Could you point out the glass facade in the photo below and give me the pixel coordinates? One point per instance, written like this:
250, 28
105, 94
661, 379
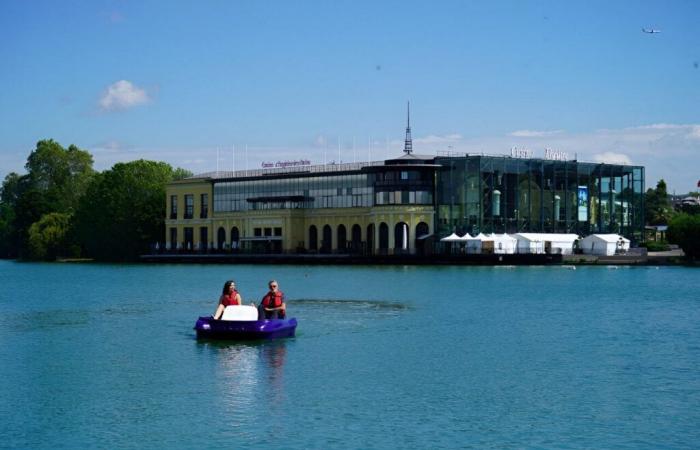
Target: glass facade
396, 185
465, 194
509, 195
327, 191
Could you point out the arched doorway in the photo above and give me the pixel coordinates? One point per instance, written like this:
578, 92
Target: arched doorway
313, 238
342, 238
401, 238
327, 240
423, 242
370, 239
383, 238
235, 238
356, 239
220, 238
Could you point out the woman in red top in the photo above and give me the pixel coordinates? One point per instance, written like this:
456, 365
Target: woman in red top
229, 296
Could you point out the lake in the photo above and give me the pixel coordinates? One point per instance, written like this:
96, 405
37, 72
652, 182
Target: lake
99, 355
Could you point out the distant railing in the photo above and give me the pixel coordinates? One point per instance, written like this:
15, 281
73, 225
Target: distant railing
320, 168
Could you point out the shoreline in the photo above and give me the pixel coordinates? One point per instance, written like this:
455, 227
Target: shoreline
416, 260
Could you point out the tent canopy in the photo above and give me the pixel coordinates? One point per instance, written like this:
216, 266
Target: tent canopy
451, 238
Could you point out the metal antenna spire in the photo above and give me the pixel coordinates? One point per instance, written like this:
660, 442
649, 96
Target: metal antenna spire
408, 143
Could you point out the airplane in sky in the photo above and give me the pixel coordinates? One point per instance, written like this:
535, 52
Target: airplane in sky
650, 30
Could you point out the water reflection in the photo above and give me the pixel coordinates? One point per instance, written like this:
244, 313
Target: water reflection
274, 354
247, 372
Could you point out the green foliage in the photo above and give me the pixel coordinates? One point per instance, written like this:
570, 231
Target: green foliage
684, 230
7, 231
47, 238
658, 209
11, 189
61, 175
122, 211
56, 179
655, 246
180, 173
690, 209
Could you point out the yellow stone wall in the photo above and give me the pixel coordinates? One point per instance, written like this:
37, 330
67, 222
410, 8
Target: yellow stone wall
194, 187
295, 223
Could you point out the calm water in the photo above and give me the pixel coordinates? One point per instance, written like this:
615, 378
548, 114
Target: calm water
385, 357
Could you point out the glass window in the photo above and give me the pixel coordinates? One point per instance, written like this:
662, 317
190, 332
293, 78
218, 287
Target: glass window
205, 206
173, 206
189, 206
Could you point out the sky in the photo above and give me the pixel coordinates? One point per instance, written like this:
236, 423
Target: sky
233, 84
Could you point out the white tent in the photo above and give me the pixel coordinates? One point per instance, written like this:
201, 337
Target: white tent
504, 244
546, 243
451, 238
475, 243
604, 244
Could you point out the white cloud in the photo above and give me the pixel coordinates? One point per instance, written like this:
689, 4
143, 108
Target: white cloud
110, 146
122, 95
534, 134
320, 141
612, 158
695, 132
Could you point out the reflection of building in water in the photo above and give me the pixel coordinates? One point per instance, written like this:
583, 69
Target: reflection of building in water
247, 370
238, 376
274, 354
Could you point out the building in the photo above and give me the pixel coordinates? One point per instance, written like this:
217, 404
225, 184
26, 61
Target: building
402, 205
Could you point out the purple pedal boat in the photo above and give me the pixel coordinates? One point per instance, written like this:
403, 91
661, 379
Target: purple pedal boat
241, 323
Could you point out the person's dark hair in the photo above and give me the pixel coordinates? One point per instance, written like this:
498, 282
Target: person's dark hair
226, 286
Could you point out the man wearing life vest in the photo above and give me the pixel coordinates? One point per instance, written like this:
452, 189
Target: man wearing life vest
272, 305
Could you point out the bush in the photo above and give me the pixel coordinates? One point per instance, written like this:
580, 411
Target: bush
684, 230
655, 246
48, 236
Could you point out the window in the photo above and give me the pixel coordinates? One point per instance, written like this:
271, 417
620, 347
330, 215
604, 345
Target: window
257, 232
173, 238
189, 206
404, 175
204, 198
268, 231
173, 206
278, 231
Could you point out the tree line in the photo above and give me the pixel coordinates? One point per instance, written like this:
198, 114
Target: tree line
62, 207
683, 224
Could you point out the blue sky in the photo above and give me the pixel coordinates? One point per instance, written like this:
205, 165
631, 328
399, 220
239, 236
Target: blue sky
177, 81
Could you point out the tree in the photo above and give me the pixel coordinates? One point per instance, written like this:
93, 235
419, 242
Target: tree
61, 175
658, 209
180, 173
48, 236
9, 193
7, 231
122, 211
684, 230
